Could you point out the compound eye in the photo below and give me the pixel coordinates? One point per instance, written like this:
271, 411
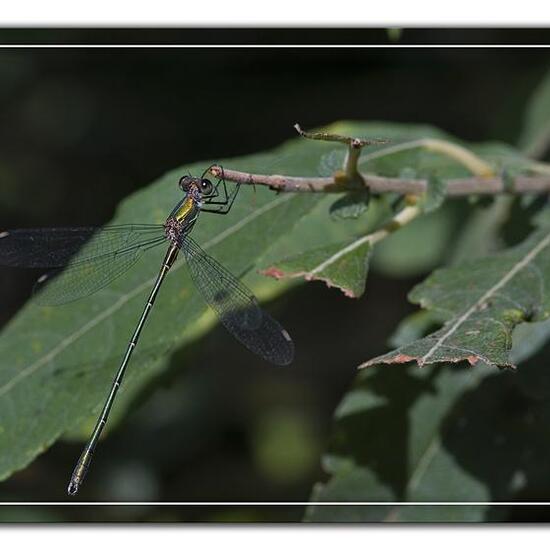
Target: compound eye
206, 186
184, 183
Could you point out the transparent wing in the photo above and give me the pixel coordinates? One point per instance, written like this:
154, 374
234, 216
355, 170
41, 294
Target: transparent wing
102, 255
55, 247
237, 307
85, 277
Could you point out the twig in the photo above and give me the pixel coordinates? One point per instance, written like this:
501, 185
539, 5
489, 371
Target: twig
476, 185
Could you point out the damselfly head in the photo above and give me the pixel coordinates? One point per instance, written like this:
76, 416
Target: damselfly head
186, 182
202, 185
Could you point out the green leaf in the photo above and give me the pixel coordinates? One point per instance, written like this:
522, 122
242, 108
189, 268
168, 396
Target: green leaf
448, 434
480, 234
412, 327
410, 158
320, 248
435, 194
343, 265
535, 135
419, 246
387, 446
528, 339
351, 205
480, 303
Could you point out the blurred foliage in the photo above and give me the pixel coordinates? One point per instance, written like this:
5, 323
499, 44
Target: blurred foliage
535, 136
83, 130
454, 433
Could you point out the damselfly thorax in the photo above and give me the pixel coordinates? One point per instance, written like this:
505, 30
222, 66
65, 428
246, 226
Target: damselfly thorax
185, 214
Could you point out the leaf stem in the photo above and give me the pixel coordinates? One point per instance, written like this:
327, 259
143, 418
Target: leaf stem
403, 217
469, 160
540, 168
356, 143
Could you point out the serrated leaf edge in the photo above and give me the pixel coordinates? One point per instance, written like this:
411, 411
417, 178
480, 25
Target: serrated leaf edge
453, 327
313, 274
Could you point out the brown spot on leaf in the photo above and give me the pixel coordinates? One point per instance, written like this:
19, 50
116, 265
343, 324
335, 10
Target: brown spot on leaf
402, 358
274, 272
399, 358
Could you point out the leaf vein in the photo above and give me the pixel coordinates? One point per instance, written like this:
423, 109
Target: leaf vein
518, 266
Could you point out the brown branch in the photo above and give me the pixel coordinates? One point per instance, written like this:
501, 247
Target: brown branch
455, 187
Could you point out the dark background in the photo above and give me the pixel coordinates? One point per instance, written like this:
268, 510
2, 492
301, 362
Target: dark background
82, 128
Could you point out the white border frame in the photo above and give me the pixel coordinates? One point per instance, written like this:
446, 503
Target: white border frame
272, 46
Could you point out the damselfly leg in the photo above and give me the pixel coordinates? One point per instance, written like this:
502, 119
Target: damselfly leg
222, 206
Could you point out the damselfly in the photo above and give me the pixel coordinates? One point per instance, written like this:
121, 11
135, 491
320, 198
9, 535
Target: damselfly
106, 253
